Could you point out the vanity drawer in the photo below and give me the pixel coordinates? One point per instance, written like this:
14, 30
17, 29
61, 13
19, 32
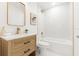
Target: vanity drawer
24, 42
23, 51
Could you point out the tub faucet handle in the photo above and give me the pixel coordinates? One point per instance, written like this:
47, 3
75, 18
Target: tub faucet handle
77, 36
41, 33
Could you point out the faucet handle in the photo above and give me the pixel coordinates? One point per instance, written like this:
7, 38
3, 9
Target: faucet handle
41, 33
77, 36
18, 30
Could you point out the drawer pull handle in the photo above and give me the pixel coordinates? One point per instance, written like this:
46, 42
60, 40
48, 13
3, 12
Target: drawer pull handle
27, 42
26, 51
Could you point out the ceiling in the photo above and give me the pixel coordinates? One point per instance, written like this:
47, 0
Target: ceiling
44, 5
47, 5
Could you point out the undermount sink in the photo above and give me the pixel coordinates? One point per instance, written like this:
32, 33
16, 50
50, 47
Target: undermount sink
10, 36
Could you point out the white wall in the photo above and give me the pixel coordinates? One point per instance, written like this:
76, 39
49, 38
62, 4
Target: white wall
3, 15
30, 7
39, 27
58, 21
76, 28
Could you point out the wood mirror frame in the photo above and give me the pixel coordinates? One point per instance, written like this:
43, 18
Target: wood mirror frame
8, 17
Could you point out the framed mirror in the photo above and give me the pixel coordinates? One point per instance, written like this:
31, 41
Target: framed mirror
16, 13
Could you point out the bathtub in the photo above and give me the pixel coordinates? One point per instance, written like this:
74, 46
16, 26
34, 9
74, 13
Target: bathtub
56, 47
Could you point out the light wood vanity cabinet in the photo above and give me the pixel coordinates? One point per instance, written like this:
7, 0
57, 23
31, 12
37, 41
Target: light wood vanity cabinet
19, 47
0, 47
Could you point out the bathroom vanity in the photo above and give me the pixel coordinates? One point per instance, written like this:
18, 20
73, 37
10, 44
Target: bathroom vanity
18, 45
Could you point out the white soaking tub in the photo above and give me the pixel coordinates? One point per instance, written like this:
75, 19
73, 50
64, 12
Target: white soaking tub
55, 47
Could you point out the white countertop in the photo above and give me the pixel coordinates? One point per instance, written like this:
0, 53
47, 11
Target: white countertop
12, 37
